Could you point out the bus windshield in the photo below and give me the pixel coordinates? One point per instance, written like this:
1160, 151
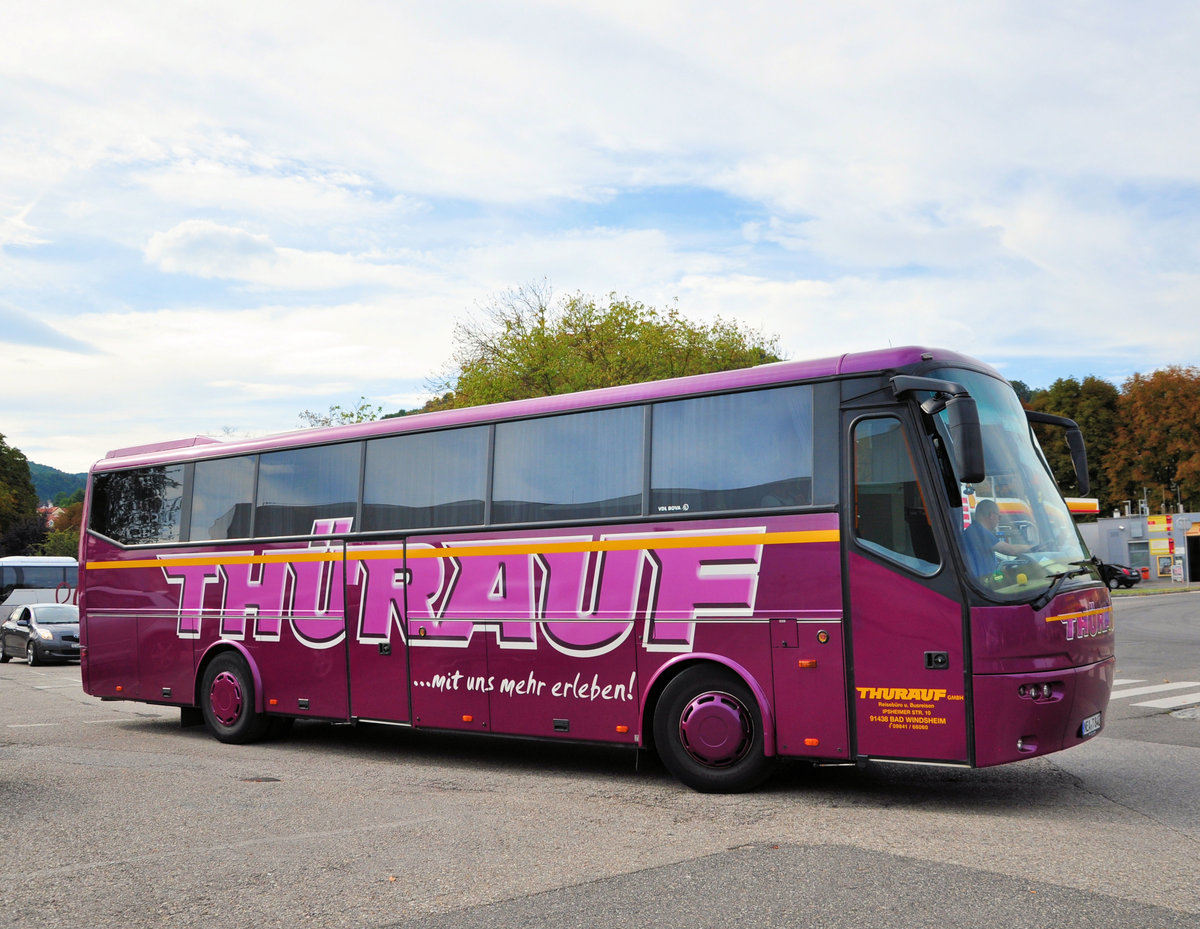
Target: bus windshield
1017, 535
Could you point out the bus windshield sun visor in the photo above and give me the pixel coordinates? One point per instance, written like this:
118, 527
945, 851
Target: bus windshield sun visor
963, 417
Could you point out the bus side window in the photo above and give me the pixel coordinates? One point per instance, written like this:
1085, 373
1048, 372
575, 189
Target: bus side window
140, 506
890, 516
743, 451
298, 486
222, 498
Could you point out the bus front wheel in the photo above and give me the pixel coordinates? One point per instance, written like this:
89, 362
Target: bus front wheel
227, 701
708, 731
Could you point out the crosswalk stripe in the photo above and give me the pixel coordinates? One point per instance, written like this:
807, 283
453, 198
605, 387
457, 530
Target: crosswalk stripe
1153, 689
1121, 682
1171, 703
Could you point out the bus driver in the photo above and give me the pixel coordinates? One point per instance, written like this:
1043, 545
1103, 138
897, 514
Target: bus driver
981, 540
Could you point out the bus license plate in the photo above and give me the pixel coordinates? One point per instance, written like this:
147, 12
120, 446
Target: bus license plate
1091, 725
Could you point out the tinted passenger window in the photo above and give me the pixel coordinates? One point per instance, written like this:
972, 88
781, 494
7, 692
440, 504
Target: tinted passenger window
425, 480
139, 507
578, 466
301, 485
222, 499
889, 512
743, 451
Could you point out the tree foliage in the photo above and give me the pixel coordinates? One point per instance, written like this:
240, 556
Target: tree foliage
528, 345
1092, 403
1156, 443
64, 499
50, 482
61, 542
1144, 437
63, 539
18, 502
338, 415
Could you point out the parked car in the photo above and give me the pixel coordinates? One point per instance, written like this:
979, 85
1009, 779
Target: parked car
1117, 575
41, 632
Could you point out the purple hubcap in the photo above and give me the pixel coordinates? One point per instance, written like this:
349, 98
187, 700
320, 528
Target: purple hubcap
225, 698
716, 729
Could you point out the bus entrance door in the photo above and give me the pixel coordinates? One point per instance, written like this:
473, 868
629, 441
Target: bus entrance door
378, 661
908, 685
907, 631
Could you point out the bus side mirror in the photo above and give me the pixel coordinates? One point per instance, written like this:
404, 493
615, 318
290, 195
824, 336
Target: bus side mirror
1075, 444
1079, 459
963, 416
967, 439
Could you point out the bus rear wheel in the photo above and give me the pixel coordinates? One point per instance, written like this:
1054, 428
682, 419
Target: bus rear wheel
227, 701
708, 731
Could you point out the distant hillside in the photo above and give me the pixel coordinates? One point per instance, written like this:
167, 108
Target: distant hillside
49, 482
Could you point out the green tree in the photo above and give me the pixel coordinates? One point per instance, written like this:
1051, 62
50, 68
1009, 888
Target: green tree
360, 412
1093, 404
18, 501
61, 542
527, 345
1156, 445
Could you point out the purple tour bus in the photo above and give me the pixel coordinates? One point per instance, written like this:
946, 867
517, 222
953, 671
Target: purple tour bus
853, 559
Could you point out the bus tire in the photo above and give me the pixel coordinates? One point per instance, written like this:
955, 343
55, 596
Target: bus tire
709, 733
227, 701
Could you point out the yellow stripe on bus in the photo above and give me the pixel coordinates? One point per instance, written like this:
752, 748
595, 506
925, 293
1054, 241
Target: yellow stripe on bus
634, 543
1063, 617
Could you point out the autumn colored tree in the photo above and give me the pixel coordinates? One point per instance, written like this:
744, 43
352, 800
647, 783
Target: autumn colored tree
1093, 404
528, 345
1156, 445
63, 539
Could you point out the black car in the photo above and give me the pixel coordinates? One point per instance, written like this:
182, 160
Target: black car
41, 632
1117, 575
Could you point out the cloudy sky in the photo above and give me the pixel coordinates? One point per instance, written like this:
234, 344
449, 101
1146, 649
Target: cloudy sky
216, 215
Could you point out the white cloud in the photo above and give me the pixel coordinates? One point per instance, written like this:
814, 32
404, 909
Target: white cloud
207, 249
248, 212
210, 250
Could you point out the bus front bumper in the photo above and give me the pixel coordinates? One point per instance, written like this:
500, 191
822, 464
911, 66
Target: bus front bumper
1025, 715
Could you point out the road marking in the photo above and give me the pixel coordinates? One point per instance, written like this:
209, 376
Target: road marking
31, 725
1121, 682
1171, 703
1153, 689
1162, 703
118, 719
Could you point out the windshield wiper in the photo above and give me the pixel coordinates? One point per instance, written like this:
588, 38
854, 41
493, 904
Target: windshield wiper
1048, 594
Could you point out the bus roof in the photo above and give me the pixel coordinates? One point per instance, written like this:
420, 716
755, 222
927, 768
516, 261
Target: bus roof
37, 561
781, 372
